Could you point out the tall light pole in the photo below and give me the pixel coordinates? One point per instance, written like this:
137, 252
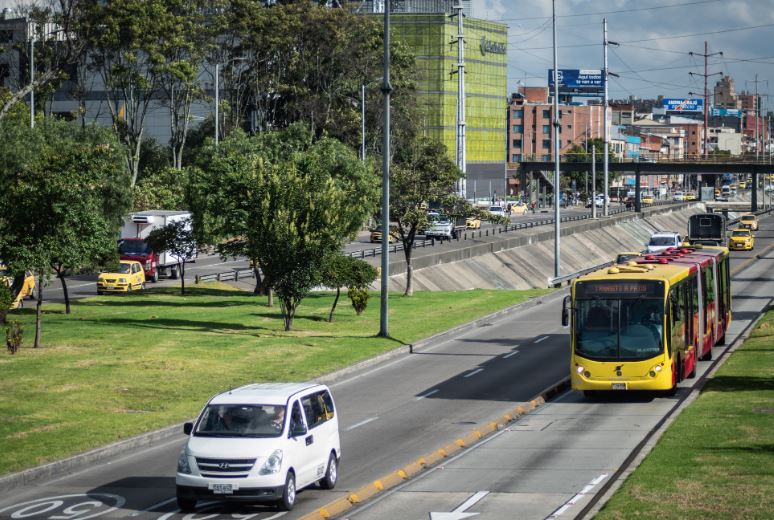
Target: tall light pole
706, 92
557, 230
32, 75
384, 330
461, 135
362, 122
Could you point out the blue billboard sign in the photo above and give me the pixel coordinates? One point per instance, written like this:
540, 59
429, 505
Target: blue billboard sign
683, 105
578, 80
724, 112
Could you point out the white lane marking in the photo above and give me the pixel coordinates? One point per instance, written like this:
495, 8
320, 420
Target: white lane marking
361, 423
154, 506
575, 499
278, 515
476, 371
511, 354
470, 502
541, 339
428, 394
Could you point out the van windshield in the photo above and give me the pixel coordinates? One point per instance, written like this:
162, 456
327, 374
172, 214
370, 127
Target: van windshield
240, 420
133, 247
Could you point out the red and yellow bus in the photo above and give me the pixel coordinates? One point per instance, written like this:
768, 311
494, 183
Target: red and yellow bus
645, 324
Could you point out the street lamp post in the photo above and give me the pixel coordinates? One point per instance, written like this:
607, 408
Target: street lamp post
384, 330
557, 231
32, 78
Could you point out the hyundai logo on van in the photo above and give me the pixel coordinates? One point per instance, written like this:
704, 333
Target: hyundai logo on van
223, 465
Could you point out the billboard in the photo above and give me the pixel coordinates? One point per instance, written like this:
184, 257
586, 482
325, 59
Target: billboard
578, 81
723, 112
683, 105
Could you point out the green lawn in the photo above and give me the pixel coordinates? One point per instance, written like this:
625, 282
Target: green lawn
121, 365
717, 459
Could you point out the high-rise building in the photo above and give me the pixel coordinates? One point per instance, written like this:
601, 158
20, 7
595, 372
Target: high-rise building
725, 93
431, 34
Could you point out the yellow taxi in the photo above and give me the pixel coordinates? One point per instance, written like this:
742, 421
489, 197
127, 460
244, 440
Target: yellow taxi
689, 195
127, 278
717, 191
742, 185
376, 236
750, 221
27, 289
473, 223
647, 199
741, 240
518, 209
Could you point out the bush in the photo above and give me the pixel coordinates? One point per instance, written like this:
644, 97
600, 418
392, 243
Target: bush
359, 297
6, 300
13, 337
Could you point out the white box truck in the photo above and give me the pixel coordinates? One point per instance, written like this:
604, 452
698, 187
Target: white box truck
133, 244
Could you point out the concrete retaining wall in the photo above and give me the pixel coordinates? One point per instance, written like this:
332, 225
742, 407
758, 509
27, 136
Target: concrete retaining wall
527, 260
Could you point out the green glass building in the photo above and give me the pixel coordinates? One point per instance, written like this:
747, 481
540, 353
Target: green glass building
428, 30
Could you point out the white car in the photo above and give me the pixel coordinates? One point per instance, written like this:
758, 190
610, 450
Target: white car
678, 196
261, 443
663, 240
497, 211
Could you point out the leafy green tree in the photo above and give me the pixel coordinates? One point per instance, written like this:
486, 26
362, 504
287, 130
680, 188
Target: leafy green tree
63, 194
164, 189
6, 300
178, 239
126, 43
422, 174
580, 153
344, 271
289, 200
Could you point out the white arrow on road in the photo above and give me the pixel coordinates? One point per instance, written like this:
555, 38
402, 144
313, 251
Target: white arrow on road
459, 512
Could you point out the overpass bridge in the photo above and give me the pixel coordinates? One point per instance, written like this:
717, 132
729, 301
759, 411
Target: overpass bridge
638, 169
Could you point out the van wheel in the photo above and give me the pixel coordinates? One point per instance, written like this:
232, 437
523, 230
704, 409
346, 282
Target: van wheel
155, 277
288, 499
331, 474
186, 501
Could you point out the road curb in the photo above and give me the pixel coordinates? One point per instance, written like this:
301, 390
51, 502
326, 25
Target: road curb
124, 447
434, 458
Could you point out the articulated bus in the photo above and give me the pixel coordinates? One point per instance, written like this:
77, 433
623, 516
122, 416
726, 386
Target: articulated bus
645, 324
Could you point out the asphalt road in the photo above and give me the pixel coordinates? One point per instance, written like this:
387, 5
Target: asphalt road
394, 412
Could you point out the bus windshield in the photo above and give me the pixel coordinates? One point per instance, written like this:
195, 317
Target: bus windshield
625, 329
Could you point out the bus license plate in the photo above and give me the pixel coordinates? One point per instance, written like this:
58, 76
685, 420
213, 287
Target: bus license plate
222, 489
619, 386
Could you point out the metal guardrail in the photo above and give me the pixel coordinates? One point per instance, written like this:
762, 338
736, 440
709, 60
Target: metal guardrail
226, 276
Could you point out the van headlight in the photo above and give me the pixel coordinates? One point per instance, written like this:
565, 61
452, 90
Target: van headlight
272, 464
182, 463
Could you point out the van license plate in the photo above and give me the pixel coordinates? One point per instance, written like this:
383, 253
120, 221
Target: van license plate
222, 489
619, 386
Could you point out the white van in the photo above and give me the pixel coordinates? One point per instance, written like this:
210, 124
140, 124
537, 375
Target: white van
260, 443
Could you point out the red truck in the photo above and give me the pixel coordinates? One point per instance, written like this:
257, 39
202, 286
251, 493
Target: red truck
133, 244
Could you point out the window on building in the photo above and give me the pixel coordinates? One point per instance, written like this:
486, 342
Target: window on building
546, 129
516, 143
518, 129
547, 157
546, 114
546, 143
569, 126
516, 157
518, 114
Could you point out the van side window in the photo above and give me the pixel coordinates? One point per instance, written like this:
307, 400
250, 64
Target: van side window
295, 416
318, 408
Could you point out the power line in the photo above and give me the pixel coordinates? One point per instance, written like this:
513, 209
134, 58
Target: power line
617, 11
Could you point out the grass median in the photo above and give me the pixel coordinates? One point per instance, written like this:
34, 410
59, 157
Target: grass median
122, 365
717, 459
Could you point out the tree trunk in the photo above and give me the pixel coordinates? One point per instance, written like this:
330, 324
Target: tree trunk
270, 303
288, 312
60, 275
38, 312
335, 301
409, 268
181, 268
258, 290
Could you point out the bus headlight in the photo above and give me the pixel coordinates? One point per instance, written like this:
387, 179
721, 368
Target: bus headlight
655, 370
579, 369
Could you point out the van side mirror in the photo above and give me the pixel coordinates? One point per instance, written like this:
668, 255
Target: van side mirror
565, 312
188, 428
297, 429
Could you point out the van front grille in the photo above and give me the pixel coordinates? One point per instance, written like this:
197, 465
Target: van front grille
225, 468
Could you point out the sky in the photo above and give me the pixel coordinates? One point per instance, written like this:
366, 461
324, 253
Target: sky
655, 37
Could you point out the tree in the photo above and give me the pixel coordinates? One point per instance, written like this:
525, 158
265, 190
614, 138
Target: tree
422, 173
583, 153
126, 41
289, 200
178, 239
63, 194
55, 26
344, 271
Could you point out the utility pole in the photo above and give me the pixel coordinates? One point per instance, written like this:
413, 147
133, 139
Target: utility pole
461, 138
593, 181
32, 75
557, 232
605, 124
706, 92
384, 330
362, 122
